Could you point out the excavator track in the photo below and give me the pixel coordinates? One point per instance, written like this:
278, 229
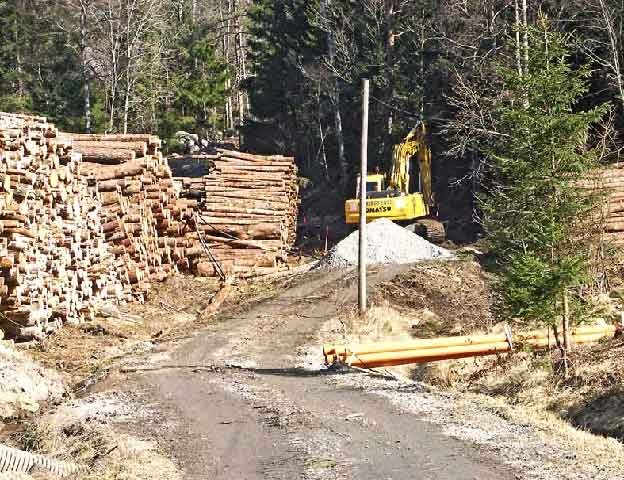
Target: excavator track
430, 229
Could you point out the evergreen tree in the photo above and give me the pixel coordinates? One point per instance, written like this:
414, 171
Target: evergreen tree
536, 214
285, 55
201, 86
16, 27
283, 43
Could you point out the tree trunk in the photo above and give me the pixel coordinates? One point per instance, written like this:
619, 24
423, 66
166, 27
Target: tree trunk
323, 153
114, 76
225, 42
525, 38
113, 37
518, 47
85, 68
129, 65
126, 105
342, 161
566, 332
390, 89
615, 52
335, 99
18, 58
240, 55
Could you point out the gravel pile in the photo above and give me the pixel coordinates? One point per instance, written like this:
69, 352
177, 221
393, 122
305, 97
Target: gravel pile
388, 243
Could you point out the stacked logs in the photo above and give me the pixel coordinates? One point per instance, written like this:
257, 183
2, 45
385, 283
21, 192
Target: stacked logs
90, 218
610, 182
54, 262
135, 187
244, 214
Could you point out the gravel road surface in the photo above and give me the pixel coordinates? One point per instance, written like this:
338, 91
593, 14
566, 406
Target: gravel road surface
246, 398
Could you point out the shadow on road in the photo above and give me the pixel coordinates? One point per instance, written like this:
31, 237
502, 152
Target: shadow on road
283, 372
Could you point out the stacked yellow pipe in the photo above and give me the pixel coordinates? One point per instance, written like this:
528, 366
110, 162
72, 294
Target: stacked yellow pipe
387, 354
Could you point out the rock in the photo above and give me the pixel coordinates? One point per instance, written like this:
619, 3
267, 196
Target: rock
187, 137
25, 384
14, 405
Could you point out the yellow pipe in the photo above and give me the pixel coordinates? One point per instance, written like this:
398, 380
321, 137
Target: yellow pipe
390, 359
429, 354
412, 344
380, 347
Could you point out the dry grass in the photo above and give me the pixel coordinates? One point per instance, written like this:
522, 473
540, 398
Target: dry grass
584, 447
590, 398
134, 459
382, 322
78, 433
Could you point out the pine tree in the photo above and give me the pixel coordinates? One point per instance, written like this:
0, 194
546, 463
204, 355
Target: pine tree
286, 50
536, 214
202, 85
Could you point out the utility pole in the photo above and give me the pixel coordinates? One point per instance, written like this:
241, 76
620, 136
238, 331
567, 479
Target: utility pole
363, 173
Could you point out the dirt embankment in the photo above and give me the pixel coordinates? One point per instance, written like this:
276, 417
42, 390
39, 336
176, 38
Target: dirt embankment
444, 298
24, 384
591, 397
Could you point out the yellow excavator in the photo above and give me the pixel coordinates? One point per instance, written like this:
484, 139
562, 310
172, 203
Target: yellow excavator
405, 196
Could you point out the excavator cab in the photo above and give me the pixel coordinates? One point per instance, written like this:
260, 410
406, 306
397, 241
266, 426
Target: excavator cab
375, 187
374, 184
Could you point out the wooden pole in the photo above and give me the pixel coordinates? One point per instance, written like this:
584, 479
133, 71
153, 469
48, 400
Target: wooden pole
363, 173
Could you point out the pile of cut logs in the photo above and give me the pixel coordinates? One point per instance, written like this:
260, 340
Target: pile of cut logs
244, 214
92, 218
134, 183
54, 262
610, 181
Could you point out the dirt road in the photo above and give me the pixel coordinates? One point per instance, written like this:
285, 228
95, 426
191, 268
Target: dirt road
238, 403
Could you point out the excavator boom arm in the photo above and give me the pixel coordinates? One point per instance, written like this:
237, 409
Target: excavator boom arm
414, 145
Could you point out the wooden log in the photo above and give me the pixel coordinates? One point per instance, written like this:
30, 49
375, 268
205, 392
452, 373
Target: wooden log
107, 156
266, 245
264, 231
249, 156
208, 269
103, 173
139, 148
115, 137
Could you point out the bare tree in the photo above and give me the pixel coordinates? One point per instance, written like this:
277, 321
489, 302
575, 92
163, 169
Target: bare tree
335, 92
604, 44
